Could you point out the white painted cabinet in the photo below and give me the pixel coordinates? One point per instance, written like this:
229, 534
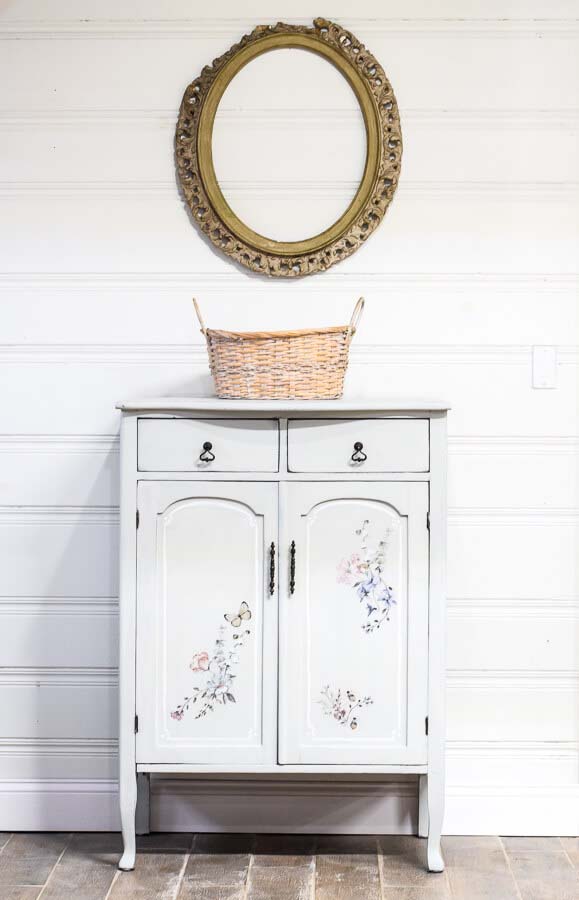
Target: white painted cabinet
280, 618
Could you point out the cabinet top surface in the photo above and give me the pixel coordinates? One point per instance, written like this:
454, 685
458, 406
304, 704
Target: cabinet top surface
353, 404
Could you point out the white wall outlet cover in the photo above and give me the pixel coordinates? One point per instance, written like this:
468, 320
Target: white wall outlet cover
544, 367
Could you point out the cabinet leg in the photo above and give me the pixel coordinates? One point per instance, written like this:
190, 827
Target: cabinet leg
422, 806
143, 803
435, 799
128, 803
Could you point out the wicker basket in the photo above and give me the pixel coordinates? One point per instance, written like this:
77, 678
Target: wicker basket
283, 365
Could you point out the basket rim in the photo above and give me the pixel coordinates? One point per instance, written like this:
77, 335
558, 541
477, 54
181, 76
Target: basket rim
268, 335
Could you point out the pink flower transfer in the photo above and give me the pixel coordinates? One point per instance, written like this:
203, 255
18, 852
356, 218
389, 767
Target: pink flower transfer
200, 662
215, 673
351, 570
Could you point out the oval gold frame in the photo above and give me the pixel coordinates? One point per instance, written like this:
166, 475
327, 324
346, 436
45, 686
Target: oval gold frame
193, 147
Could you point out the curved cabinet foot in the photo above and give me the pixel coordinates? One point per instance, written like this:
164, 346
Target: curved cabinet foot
431, 811
128, 802
434, 856
127, 861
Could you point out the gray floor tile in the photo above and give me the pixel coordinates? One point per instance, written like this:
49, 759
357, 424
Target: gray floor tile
211, 892
438, 891
274, 860
468, 885
4, 838
544, 875
531, 844
404, 861
29, 870
20, 893
156, 875
456, 849
283, 882
28, 859
347, 877
217, 869
477, 869
570, 846
78, 876
36, 844
99, 847
481, 854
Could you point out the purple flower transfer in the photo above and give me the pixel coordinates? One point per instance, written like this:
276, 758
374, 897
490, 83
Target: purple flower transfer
365, 572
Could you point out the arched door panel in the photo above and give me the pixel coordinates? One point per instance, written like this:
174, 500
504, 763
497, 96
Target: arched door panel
354, 629
204, 610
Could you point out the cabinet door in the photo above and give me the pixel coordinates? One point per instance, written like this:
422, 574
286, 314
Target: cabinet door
354, 632
206, 623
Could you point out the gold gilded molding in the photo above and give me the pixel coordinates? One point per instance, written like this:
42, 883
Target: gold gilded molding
193, 149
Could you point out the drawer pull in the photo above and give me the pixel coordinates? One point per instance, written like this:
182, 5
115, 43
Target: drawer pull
271, 569
292, 584
206, 455
358, 455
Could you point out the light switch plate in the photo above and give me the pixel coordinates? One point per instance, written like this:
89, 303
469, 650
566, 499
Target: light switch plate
544, 368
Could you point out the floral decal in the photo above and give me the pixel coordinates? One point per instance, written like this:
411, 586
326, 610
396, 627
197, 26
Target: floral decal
342, 707
217, 668
200, 662
364, 571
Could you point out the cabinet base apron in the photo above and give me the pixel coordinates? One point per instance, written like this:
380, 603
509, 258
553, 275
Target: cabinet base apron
282, 616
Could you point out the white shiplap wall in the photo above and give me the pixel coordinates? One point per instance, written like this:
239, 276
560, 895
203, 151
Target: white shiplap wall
475, 263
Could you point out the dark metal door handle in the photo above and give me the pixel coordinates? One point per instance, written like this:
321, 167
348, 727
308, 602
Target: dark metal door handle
271, 569
206, 455
292, 584
358, 455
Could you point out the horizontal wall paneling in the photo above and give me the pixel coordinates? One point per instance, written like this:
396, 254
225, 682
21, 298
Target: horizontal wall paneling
475, 264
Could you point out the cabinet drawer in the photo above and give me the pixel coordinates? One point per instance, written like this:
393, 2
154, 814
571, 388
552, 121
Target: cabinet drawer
389, 445
238, 445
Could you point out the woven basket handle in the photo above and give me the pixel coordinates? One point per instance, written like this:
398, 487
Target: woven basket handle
200, 317
358, 309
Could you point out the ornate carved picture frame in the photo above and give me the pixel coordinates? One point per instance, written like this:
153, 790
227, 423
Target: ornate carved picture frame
193, 148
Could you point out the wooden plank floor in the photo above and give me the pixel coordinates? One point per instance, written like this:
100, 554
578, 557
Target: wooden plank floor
285, 867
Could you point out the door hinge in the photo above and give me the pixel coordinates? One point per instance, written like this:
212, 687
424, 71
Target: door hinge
137, 518
426, 725
428, 520
136, 724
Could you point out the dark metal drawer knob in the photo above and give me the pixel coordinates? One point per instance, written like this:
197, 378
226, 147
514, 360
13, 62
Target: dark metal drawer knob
206, 455
358, 455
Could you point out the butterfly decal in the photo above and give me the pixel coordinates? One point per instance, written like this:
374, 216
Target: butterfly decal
236, 619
